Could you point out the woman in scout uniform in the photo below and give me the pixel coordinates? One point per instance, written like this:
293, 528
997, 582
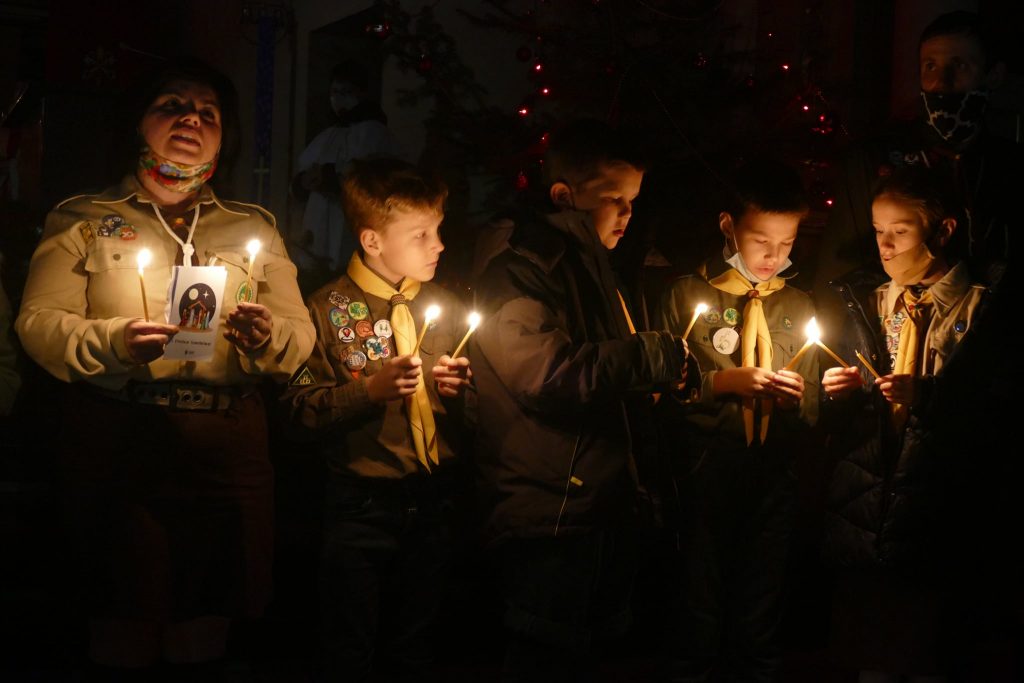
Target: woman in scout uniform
739, 436
906, 462
171, 508
388, 430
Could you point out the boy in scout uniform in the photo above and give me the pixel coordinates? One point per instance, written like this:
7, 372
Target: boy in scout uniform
384, 425
740, 433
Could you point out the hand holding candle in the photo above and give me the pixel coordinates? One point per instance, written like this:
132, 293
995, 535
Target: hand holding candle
143, 259
253, 247
432, 314
473, 320
697, 312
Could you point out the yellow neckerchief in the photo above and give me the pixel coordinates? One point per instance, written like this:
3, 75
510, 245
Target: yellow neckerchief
912, 331
756, 337
403, 326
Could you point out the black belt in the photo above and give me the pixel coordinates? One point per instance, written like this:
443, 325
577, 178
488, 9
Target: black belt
176, 395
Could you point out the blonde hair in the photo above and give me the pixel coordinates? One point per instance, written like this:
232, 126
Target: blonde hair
372, 189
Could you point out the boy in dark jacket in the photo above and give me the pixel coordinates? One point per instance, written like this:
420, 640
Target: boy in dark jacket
553, 362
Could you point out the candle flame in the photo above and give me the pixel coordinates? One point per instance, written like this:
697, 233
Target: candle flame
701, 309
253, 247
433, 312
144, 257
473, 320
812, 331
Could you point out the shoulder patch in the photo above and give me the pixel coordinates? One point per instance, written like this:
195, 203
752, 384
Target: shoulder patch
304, 378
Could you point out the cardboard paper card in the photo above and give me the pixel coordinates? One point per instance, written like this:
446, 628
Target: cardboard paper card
194, 303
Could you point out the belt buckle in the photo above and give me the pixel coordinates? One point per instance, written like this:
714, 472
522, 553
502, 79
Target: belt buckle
191, 397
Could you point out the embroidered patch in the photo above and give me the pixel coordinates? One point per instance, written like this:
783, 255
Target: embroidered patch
87, 232
304, 378
787, 323
245, 293
338, 299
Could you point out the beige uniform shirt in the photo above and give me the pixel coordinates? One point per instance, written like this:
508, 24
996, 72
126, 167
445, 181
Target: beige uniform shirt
955, 302
83, 289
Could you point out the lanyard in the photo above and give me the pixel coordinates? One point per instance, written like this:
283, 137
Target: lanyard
186, 247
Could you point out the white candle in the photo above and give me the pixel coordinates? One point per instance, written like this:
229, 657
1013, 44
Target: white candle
143, 259
697, 312
432, 314
473, 320
253, 247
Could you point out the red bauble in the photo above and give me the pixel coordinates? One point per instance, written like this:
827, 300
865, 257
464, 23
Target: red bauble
522, 182
379, 30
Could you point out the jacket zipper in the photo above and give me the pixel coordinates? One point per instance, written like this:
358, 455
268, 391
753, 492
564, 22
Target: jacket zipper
568, 481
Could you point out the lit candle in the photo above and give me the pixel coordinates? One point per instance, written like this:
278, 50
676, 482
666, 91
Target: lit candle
864, 360
433, 312
813, 334
474, 320
831, 353
253, 247
697, 312
143, 259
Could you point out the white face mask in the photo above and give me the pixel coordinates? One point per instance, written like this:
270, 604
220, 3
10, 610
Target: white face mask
737, 262
343, 102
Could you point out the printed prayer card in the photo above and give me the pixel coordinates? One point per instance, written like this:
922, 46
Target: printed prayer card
194, 303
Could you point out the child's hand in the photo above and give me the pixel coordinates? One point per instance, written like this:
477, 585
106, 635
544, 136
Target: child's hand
683, 366
840, 382
146, 341
452, 375
749, 383
791, 385
897, 388
397, 378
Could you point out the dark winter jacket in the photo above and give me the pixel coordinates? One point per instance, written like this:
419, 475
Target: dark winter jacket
893, 495
553, 361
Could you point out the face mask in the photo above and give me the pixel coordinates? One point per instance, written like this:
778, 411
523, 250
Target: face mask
909, 267
956, 117
175, 177
343, 99
737, 262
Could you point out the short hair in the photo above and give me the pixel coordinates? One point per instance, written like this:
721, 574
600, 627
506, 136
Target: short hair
371, 189
766, 184
351, 71
577, 151
930, 194
963, 23
139, 97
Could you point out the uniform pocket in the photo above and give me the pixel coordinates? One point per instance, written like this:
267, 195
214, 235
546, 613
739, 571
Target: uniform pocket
107, 254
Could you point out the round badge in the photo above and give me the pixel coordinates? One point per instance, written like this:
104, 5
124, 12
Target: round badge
712, 316
382, 328
372, 346
960, 326
347, 335
726, 340
385, 349
356, 360
731, 316
339, 317
364, 329
344, 353
338, 299
358, 310
787, 323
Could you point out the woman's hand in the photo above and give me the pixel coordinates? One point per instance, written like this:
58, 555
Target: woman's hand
249, 326
397, 378
146, 340
841, 382
897, 388
452, 375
